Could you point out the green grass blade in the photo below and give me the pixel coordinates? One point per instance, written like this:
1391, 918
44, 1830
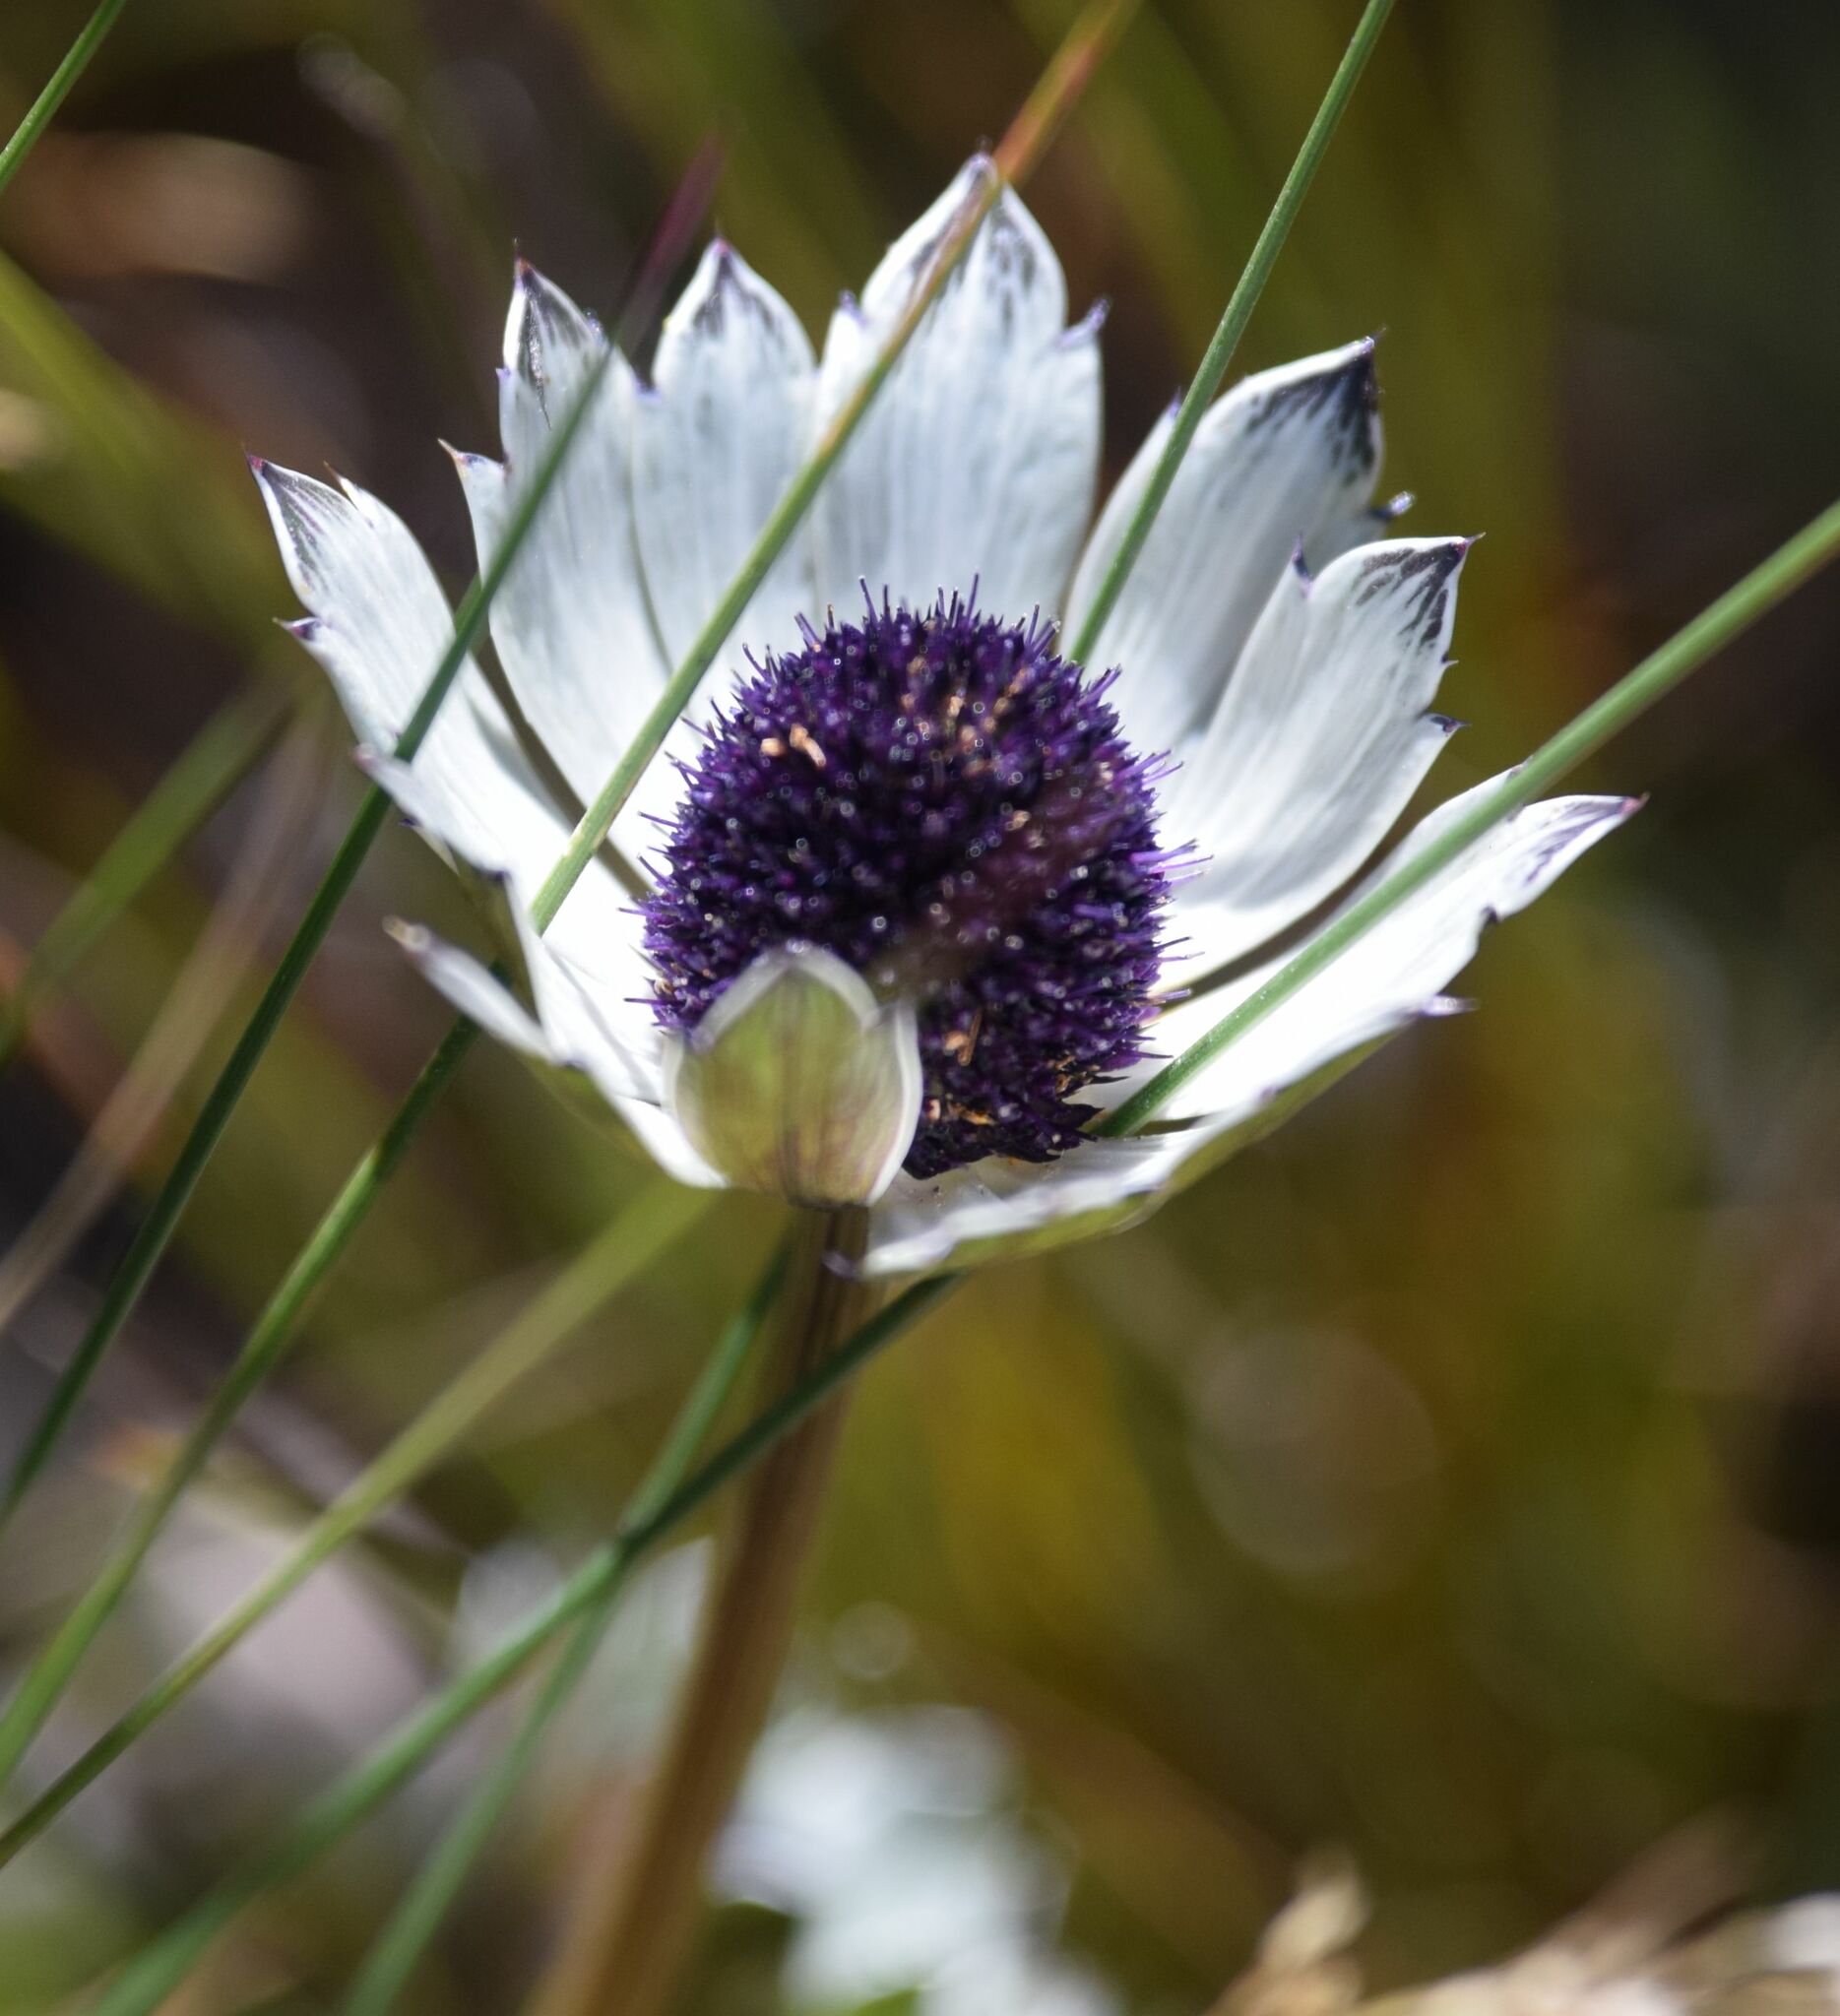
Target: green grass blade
221, 754
631, 1244
45, 107
220, 1101
1237, 313
405, 1937
1633, 694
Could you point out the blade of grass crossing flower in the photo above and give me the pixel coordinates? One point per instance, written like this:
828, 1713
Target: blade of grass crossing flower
1066, 75
143, 1985
221, 754
404, 1937
1233, 319
156, 1228
1633, 694
607, 1265
43, 108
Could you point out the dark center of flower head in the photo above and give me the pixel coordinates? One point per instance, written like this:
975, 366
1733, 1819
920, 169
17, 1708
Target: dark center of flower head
948, 806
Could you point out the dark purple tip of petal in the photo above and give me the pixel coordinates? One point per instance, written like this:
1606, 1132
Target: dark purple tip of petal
938, 798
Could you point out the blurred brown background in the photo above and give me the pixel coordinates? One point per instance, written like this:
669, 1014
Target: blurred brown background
1453, 1477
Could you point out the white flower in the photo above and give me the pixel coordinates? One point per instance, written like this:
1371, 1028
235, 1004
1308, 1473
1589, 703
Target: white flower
1271, 639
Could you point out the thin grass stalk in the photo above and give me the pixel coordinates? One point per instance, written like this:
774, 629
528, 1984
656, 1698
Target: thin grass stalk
635, 1240
1232, 326
213, 972
348, 1803
156, 1228
405, 1937
43, 108
1633, 694
223, 752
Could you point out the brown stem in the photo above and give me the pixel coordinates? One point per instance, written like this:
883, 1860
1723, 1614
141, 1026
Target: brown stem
624, 1952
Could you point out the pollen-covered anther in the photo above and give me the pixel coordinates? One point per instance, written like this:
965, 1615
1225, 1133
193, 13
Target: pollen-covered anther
945, 806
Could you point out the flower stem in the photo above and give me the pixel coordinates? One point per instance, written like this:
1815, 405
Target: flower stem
625, 1953
144, 1985
43, 108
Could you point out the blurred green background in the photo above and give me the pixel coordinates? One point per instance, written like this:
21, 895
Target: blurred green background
1452, 1477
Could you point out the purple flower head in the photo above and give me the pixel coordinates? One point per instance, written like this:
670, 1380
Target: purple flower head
948, 806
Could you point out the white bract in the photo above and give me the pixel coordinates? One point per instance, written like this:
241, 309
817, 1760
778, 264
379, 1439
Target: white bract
1273, 640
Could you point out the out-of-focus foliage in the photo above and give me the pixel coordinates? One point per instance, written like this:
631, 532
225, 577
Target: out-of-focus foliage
1453, 1477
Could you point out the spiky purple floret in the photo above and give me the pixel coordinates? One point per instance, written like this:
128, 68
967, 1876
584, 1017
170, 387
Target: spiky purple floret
944, 804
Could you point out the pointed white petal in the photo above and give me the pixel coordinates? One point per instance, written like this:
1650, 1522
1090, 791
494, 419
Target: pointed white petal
980, 455
566, 1030
799, 1083
380, 625
718, 440
1391, 976
570, 624
1320, 738
1280, 458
